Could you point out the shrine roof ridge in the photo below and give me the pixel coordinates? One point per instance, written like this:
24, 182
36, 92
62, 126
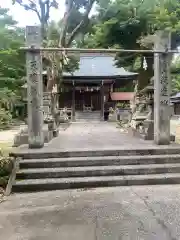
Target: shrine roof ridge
99, 65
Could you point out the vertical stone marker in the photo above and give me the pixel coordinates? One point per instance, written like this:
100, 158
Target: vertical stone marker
34, 88
162, 88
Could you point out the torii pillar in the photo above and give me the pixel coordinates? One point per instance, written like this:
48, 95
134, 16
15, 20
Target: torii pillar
162, 88
34, 88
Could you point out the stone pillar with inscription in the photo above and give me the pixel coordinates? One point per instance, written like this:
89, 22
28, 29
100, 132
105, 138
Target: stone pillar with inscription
162, 88
34, 88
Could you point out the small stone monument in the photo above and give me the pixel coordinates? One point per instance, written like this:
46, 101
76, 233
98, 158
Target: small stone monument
148, 123
139, 114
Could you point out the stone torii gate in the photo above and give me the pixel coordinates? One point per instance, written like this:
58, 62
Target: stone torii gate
162, 56
34, 88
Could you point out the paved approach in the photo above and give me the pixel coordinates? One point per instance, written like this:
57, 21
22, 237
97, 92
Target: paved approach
90, 135
93, 136
131, 213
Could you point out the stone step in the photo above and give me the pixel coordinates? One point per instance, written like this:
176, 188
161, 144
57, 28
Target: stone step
88, 119
98, 161
98, 171
54, 153
84, 121
88, 115
92, 182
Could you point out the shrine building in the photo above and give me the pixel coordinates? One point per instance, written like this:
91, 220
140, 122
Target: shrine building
90, 87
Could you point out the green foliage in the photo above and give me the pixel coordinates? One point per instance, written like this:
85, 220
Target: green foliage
127, 88
131, 24
70, 62
125, 23
11, 59
5, 118
12, 67
175, 75
122, 105
8, 98
176, 84
121, 26
6, 166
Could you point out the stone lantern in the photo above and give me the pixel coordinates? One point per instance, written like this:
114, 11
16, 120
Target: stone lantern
148, 123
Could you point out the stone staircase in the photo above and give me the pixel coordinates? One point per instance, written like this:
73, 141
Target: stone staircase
52, 170
88, 116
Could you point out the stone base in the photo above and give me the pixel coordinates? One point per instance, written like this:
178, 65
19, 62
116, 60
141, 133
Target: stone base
133, 132
21, 138
112, 117
48, 134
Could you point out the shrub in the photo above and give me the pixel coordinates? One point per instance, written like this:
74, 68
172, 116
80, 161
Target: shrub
6, 166
122, 105
5, 119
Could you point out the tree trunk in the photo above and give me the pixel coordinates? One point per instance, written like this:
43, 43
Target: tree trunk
68, 7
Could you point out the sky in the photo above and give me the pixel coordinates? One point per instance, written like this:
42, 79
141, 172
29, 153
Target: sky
25, 18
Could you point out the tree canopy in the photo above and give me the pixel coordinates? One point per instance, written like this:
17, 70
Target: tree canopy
12, 67
128, 24
12, 38
131, 25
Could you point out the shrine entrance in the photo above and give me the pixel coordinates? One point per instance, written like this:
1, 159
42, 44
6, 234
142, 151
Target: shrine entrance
87, 100
160, 114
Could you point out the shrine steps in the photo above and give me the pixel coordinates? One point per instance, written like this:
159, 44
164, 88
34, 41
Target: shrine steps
94, 182
98, 171
90, 169
87, 116
54, 153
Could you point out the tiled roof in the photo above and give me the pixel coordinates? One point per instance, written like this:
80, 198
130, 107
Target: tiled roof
122, 96
99, 65
177, 95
